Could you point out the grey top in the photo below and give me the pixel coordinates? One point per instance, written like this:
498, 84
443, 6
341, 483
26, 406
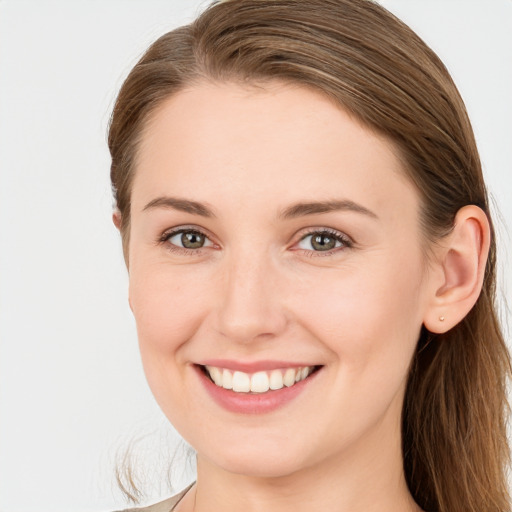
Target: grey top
163, 506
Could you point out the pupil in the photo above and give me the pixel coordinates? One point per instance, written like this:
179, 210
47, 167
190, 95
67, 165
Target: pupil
192, 240
323, 242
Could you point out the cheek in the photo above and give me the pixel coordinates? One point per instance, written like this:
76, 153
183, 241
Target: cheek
370, 322
168, 306
367, 315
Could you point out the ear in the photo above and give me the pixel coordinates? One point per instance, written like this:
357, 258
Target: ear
116, 218
458, 270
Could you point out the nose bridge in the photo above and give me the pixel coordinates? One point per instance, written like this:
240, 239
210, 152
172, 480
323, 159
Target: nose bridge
250, 304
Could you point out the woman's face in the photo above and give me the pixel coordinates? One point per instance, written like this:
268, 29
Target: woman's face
271, 232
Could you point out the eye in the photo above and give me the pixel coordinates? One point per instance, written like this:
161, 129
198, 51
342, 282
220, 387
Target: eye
186, 239
324, 241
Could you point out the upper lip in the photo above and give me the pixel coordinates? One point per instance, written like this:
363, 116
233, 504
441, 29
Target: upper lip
255, 366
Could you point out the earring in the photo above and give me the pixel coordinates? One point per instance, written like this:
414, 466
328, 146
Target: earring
441, 318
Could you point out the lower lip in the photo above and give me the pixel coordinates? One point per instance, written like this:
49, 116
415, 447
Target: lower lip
253, 403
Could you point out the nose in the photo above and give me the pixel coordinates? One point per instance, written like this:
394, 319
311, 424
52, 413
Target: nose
250, 303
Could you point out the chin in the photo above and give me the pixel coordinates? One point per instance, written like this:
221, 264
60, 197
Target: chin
259, 460
263, 467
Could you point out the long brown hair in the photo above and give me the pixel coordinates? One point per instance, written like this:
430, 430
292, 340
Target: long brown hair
454, 441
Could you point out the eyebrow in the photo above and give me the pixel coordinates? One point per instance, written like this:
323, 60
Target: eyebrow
302, 209
292, 212
183, 205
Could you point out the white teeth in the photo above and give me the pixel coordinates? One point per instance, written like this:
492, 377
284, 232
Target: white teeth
289, 377
216, 375
241, 382
259, 382
227, 379
276, 379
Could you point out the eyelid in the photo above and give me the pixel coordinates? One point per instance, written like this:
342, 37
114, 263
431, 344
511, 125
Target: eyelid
170, 236
346, 241
164, 238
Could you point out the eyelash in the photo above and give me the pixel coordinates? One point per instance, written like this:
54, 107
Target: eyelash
346, 242
181, 250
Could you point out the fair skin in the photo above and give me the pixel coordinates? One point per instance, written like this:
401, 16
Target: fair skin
343, 290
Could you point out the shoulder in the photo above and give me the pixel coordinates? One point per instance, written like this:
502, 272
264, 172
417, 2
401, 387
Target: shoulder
162, 506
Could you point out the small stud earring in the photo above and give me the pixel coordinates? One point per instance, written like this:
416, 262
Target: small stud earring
441, 318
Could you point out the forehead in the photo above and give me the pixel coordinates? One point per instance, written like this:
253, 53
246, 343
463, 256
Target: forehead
277, 142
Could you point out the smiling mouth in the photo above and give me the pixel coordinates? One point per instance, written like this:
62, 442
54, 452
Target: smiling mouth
258, 382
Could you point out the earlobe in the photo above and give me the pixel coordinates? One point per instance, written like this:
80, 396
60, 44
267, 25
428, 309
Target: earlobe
460, 267
116, 218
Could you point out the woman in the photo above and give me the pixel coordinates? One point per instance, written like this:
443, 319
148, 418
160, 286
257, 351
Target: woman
312, 262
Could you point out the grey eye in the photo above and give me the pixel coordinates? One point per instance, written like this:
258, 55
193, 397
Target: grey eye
321, 242
189, 240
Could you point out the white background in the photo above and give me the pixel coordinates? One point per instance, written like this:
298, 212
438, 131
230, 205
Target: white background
72, 392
